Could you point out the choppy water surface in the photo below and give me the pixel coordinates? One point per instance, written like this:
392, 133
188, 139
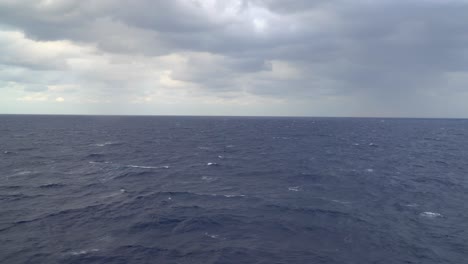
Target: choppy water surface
232, 190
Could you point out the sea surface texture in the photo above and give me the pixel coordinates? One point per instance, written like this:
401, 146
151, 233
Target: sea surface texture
76, 189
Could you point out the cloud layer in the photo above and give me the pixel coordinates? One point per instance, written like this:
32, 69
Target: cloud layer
235, 57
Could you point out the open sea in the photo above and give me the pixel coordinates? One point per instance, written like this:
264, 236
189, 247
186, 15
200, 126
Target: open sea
109, 189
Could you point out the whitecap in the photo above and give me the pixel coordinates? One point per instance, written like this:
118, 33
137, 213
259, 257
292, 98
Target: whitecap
24, 172
430, 214
204, 148
220, 157
340, 202
212, 164
83, 252
226, 195
212, 235
114, 194
99, 162
293, 188
208, 178
233, 195
142, 167
104, 144
148, 167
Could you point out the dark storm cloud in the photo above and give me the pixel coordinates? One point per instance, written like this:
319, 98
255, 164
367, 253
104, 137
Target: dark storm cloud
373, 50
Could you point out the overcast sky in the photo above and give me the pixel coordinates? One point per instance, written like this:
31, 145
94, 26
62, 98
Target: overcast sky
397, 58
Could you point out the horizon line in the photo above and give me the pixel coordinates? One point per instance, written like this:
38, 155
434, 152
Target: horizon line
246, 116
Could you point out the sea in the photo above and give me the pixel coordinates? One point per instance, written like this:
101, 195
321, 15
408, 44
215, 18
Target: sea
175, 189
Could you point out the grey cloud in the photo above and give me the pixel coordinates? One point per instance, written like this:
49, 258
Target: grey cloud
292, 6
390, 52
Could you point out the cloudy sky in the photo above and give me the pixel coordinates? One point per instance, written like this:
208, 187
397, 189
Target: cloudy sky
404, 58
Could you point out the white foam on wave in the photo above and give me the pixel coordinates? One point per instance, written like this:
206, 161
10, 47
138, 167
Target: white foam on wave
208, 178
340, 202
21, 173
83, 252
204, 148
99, 162
430, 214
148, 167
212, 164
293, 188
104, 144
220, 157
26, 172
212, 235
226, 195
233, 195
114, 194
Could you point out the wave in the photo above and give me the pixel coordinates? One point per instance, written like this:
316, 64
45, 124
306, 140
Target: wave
315, 211
11, 187
294, 188
83, 252
114, 194
23, 172
231, 195
159, 223
108, 143
208, 178
95, 155
214, 236
52, 185
430, 214
147, 167
100, 162
181, 196
204, 148
201, 223
17, 197
341, 202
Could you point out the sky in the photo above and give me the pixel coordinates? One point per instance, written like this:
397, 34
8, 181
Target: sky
383, 58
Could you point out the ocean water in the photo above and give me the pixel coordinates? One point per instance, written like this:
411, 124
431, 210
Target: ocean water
90, 189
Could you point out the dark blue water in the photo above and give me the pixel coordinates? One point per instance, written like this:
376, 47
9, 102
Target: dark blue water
232, 190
